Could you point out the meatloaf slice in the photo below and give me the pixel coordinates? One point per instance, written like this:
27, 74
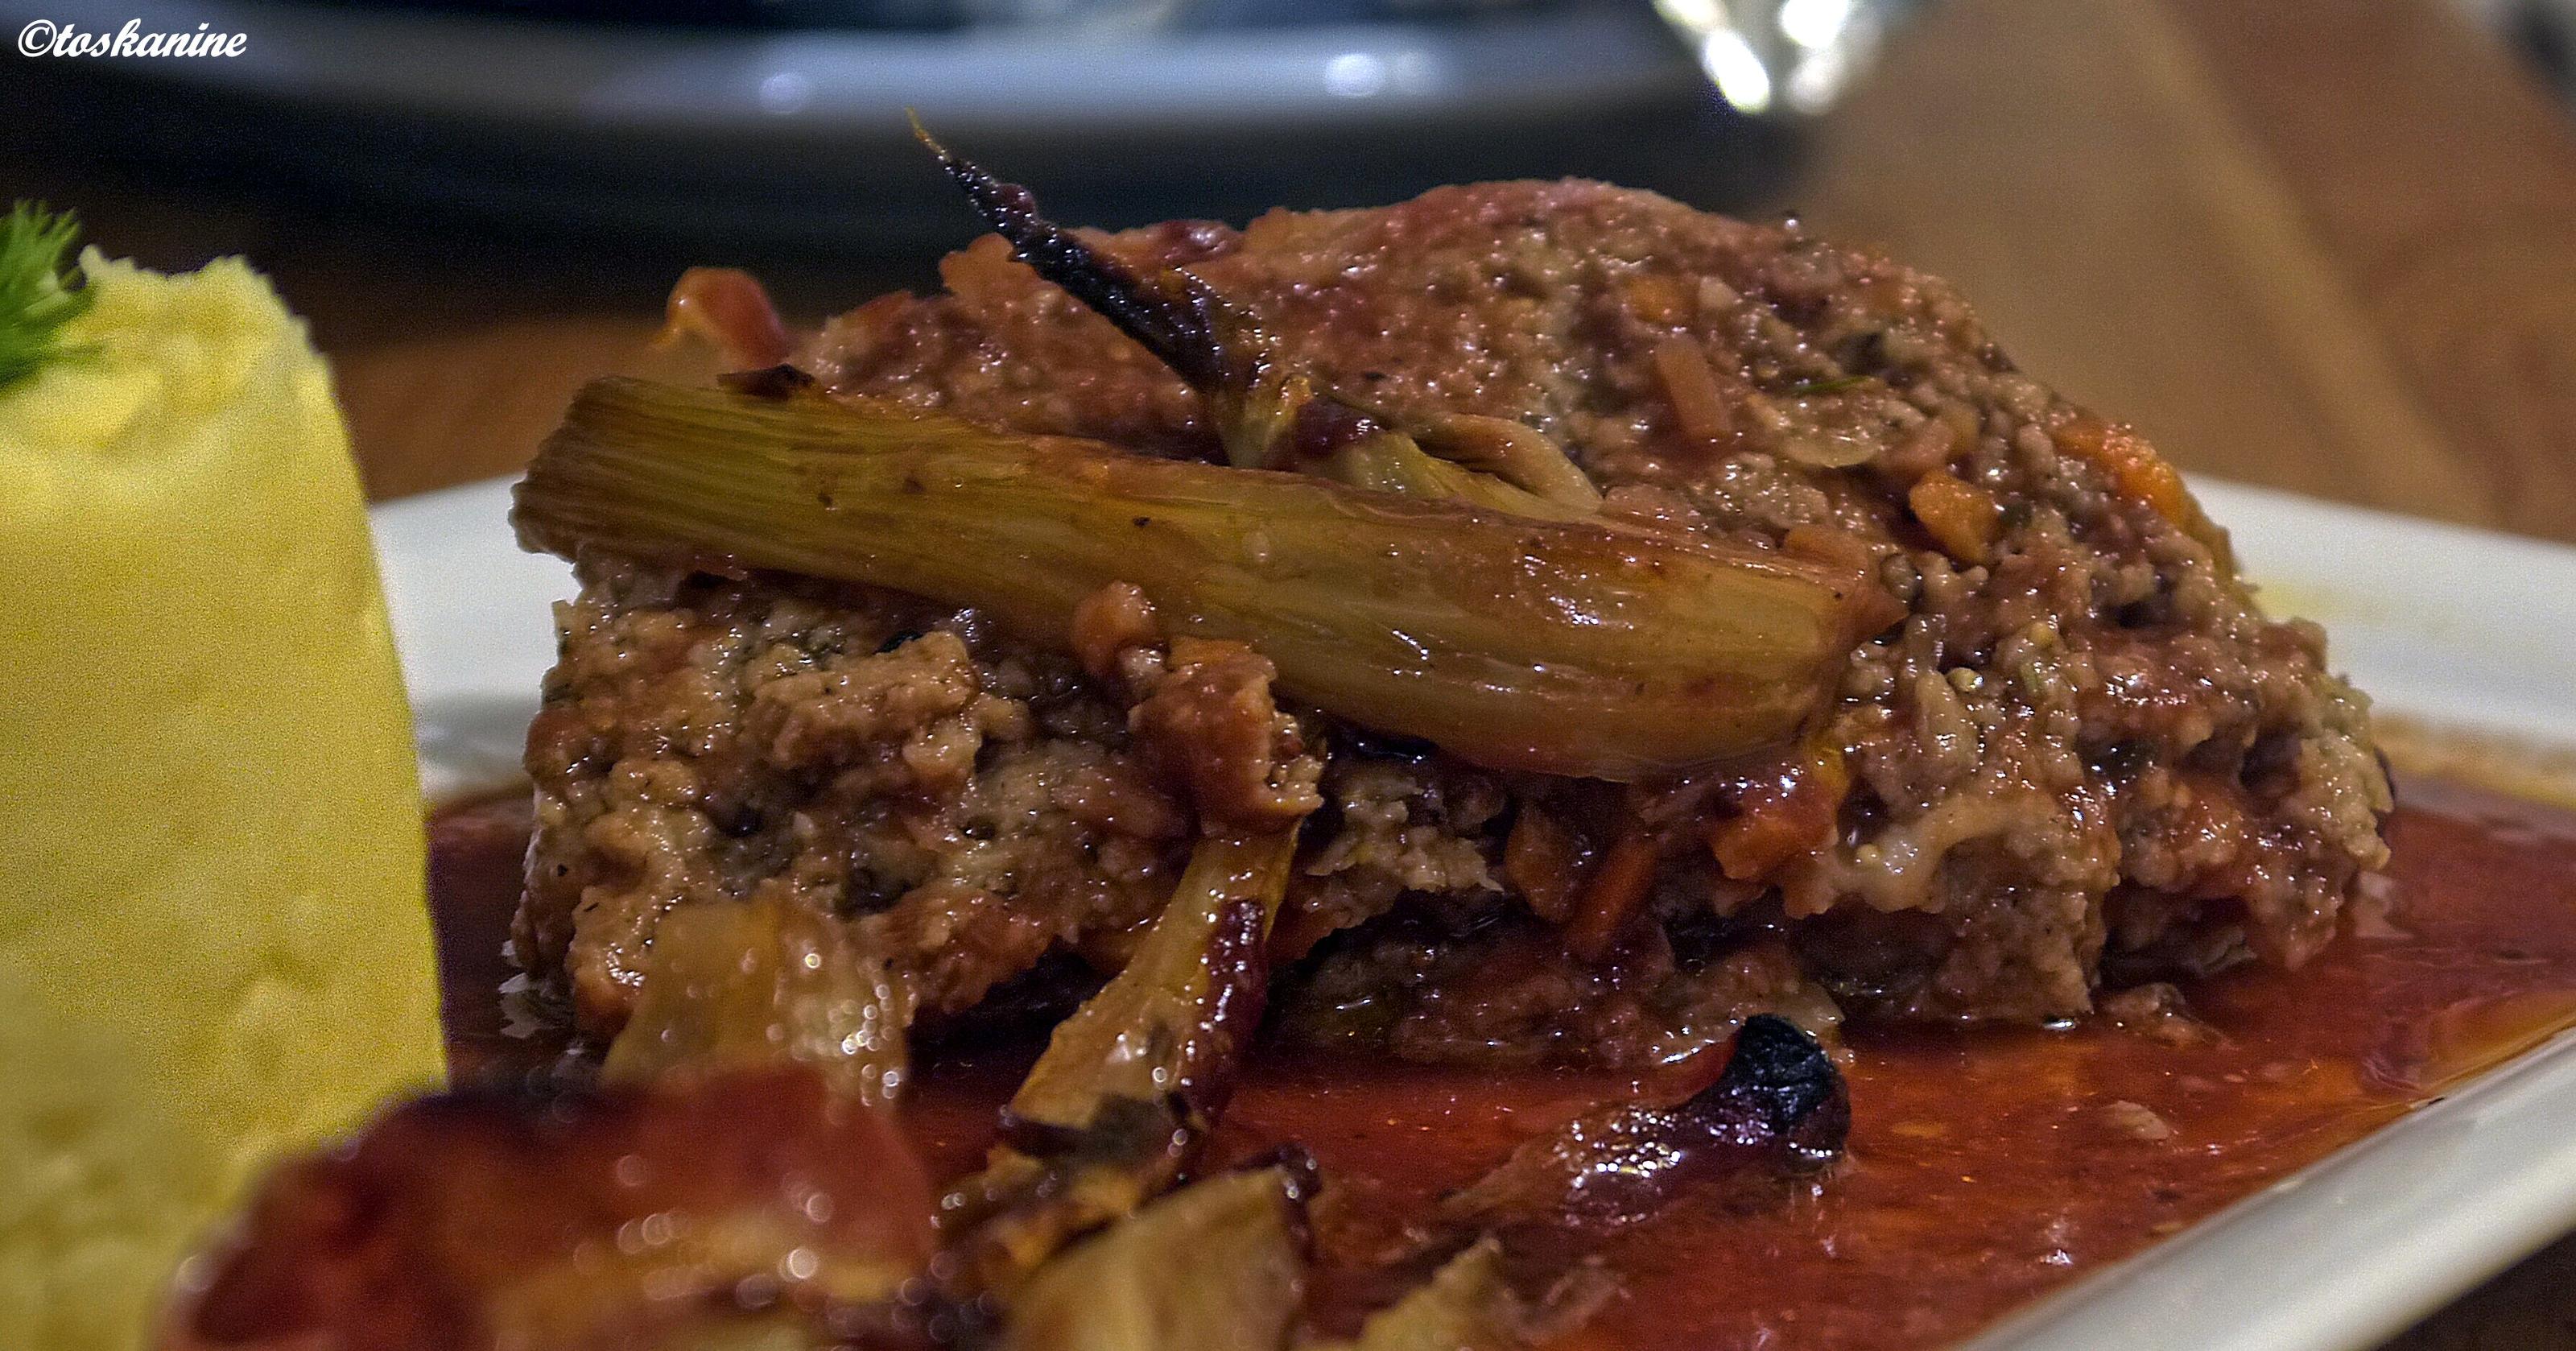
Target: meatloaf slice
2082, 750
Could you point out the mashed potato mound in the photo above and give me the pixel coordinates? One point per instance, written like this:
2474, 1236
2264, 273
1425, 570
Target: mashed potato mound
213, 944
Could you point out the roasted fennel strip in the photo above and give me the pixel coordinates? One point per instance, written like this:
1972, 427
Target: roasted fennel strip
1175, 1022
1576, 648
1129, 1085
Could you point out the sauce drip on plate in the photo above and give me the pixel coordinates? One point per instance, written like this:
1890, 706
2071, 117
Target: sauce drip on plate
1986, 1167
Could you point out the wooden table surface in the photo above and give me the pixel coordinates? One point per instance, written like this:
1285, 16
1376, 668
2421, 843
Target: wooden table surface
2323, 245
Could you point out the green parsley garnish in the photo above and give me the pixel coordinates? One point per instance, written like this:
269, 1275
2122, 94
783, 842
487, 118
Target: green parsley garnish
39, 292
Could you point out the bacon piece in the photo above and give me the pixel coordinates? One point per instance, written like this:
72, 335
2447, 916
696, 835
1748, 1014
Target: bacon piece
579, 1220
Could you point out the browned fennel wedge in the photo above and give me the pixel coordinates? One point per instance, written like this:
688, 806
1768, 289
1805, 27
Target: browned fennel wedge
1175, 1020
1131, 1083
1576, 648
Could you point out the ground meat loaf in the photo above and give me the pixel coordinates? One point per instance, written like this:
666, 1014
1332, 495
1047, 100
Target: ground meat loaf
2081, 756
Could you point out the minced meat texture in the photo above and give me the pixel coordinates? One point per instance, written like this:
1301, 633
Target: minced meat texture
2083, 749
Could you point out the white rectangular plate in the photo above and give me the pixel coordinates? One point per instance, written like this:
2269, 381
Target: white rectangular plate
2453, 627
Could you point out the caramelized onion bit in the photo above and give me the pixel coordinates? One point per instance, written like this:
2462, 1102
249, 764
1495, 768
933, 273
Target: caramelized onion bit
1004, 1222
1614, 894
740, 986
1391, 462
1544, 861
728, 307
1217, 1266
746, 1204
1779, 1109
1514, 452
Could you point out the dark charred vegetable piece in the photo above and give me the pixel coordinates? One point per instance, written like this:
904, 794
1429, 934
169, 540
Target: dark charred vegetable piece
1129, 1084
735, 987
1778, 1110
1585, 649
1172, 316
1271, 416
720, 1210
1217, 1266
1518, 1241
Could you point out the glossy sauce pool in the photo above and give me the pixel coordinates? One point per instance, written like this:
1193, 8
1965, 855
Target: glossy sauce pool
1985, 1167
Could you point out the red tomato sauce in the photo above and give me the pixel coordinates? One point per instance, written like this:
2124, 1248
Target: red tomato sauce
1986, 1167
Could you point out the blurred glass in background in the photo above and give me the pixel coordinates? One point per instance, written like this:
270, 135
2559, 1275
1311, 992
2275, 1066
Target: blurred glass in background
2544, 31
777, 125
780, 122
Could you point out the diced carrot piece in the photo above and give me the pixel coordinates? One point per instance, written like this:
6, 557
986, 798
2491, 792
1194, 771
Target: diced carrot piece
1661, 298
2136, 471
1699, 404
1543, 861
1961, 516
1617, 888
1777, 821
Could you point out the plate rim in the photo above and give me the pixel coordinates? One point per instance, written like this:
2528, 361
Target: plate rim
600, 78
2414, 1214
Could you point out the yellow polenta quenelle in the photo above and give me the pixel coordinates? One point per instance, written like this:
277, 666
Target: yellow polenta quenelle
213, 942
